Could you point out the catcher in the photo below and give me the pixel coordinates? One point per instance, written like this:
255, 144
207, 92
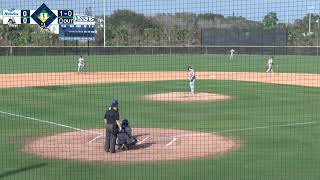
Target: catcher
125, 139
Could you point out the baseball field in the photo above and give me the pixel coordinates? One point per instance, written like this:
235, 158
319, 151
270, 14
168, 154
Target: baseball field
266, 127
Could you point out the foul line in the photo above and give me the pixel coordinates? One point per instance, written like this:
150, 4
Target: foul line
174, 138
268, 127
246, 129
48, 122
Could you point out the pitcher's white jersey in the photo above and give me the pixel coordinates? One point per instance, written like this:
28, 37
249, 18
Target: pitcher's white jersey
192, 79
191, 74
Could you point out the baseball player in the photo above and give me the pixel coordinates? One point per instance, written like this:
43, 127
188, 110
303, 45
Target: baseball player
269, 65
232, 51
80, 63
192, 79
125, 138
112, 124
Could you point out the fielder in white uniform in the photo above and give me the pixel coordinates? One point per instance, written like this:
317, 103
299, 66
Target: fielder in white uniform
192, 79
80, 64
269, 65
231, 53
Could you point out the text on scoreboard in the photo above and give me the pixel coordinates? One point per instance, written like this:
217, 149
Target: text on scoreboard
43, 16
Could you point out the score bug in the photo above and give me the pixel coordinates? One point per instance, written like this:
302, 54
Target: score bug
65, 17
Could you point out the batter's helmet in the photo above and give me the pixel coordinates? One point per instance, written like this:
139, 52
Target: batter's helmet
114, 103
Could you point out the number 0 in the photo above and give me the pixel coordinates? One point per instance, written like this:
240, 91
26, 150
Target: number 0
70, 13
25, 20
24, 13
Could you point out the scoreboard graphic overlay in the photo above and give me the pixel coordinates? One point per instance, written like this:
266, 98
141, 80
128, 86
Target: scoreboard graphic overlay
70, 26
43, 16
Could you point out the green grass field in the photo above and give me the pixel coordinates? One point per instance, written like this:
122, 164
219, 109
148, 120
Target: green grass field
246, 63
264, 118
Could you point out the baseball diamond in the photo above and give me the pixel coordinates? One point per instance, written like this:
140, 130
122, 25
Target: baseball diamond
160, 90
55, 134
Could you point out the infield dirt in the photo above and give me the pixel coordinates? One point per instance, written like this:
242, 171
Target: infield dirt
154, 144
68, 78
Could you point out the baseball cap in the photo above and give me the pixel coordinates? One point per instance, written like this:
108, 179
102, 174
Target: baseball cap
114, 103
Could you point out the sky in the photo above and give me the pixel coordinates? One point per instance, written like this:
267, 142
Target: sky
287, 10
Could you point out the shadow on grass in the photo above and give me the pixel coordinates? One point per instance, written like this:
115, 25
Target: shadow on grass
16, 171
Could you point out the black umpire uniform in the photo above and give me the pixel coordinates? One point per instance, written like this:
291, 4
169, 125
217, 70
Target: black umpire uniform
112, 123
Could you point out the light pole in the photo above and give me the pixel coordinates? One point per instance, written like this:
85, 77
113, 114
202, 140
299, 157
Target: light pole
311, 10
104, 23
309, 32
232, 8
318, 21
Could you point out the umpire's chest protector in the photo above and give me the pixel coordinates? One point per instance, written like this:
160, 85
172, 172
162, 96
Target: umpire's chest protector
112, 116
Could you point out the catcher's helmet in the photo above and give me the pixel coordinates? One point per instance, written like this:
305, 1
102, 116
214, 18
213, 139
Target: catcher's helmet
114, 103
125, 122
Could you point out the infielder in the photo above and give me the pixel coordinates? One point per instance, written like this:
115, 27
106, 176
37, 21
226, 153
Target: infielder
80, 63
269, 65
192, 79
112, 124
231, 53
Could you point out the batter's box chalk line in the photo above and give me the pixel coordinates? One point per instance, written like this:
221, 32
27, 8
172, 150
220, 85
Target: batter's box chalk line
171, 139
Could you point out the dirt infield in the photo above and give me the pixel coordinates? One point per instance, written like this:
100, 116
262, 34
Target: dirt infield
186, 97
68, 78
154, 145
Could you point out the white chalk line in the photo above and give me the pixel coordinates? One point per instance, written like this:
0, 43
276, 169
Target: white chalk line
94, 139
99, 136
49, 122
268, 127
247, 129
143, 140
172, 141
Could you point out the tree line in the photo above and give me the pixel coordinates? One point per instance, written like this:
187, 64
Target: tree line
128, 28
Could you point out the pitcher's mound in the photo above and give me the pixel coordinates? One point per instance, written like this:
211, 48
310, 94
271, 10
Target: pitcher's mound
186, 97
154, 144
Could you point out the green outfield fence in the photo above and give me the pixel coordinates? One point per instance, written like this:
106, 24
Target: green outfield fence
157, 50
248, 118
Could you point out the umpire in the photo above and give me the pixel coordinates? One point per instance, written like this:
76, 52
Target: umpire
112, 124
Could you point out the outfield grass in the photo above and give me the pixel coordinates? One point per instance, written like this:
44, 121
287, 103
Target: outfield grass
270, 153
178, 62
